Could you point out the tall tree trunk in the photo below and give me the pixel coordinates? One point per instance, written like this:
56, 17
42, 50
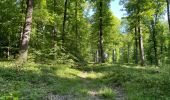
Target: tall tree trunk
21, 24
141, 48
136, 46
101, 51
26, 32
168, 16
76, 24
153, 23
113, 56
168, 13
64, 21
97, 56
54, 33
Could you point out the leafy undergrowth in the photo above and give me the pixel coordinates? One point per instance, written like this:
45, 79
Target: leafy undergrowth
37, 81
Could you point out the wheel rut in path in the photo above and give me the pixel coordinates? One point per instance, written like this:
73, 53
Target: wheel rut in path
120, 93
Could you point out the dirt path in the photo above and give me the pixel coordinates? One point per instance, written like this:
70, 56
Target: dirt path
93, 94
120, 94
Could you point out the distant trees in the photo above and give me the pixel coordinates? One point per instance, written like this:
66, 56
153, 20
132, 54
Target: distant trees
146, 21
63, 31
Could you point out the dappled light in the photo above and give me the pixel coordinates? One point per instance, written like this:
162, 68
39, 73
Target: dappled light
84, 50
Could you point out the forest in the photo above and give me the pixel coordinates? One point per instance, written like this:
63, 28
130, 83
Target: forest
80, 50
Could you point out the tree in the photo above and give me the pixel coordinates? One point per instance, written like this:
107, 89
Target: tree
64, 21
26, 32
168, 12
101, 51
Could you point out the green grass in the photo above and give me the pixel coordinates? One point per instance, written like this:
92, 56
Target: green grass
139, 83
38, 81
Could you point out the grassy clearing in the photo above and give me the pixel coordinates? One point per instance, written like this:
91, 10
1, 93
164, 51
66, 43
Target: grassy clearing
37, 81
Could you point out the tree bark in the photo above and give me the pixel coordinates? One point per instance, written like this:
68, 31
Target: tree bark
101, 51
76, 26
26, 32
168, 13
128, 53
97, 56
114, 56
141, 48
153, 23
64, 21
136, 46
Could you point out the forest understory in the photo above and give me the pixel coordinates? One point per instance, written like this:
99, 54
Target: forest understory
92, 82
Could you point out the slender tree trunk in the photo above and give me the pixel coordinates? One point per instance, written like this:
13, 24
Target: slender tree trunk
136, 46
64, 21
128, 53
141, 48
113, 56
153, 23
26, 32
168, 13
97, 56
21, 24
54, 33
168, 16
9, 47
76, 26
101, 51
162, 52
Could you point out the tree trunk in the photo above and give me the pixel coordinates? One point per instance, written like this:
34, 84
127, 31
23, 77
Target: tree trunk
76, 26
21, 24
64, 21
97, 56
9, 47
153, 23
162, 53
141, 48
136, 46
101, 51
54, 33
114, 56
168, 13
26, 32
128, 53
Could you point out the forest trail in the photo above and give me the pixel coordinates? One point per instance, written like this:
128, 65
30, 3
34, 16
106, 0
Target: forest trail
120, 93
93, 94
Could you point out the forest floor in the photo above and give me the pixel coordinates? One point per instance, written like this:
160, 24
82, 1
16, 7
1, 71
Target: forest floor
92, 82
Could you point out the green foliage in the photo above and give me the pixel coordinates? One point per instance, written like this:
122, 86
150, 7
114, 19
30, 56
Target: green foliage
107, 93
